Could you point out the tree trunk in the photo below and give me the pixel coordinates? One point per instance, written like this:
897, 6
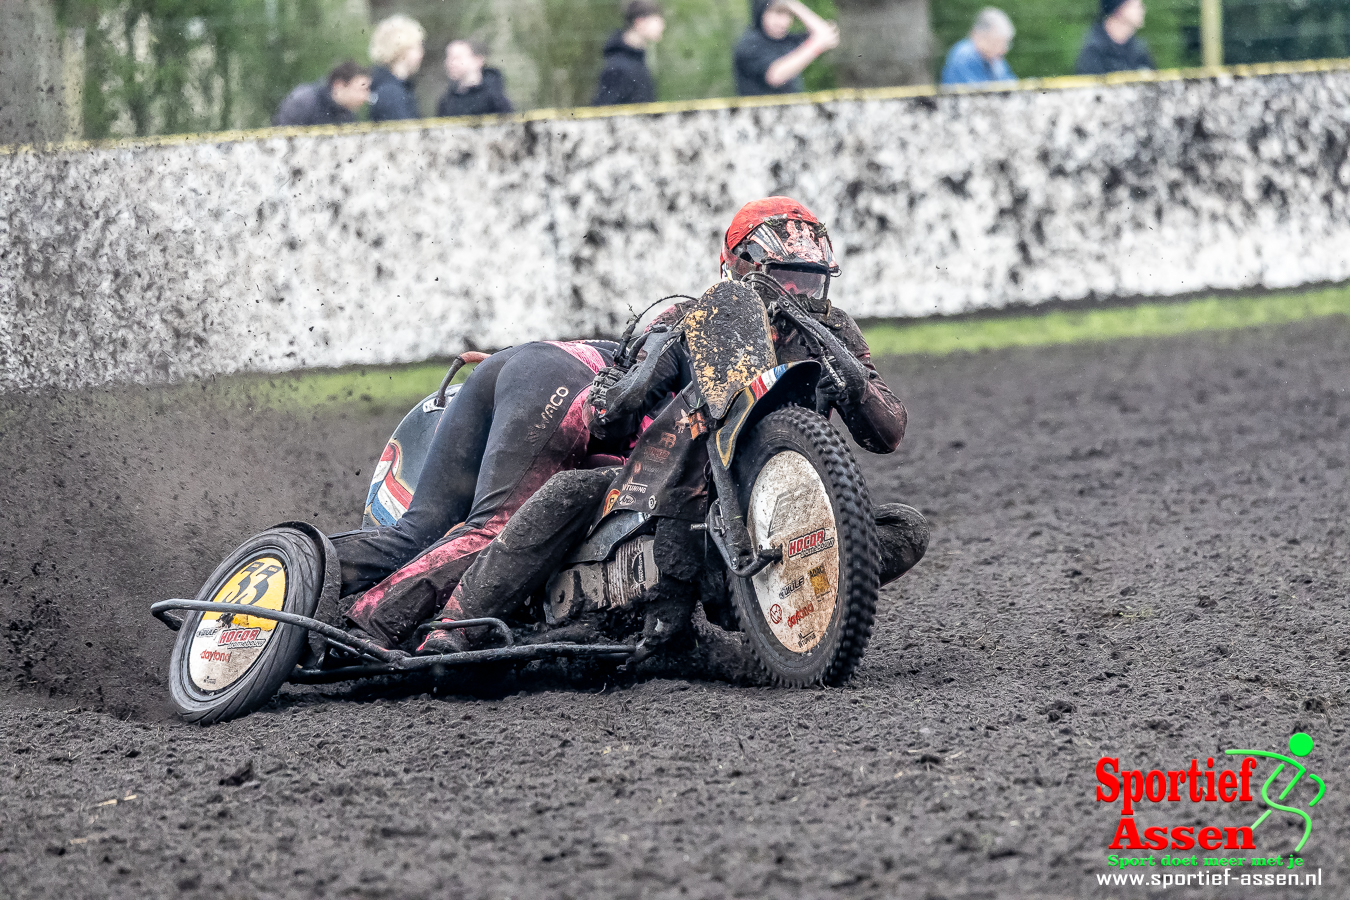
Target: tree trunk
883, 43
32, 90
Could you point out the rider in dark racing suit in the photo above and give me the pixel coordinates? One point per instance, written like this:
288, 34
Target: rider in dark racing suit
518, 420
777, 237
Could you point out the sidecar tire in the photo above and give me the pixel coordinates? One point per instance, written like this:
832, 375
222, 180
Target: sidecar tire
302, 563
833, 660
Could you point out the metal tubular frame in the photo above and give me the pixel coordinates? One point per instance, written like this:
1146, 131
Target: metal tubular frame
392, 662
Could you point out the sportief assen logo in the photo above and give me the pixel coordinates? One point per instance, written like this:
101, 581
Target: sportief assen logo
1281, 783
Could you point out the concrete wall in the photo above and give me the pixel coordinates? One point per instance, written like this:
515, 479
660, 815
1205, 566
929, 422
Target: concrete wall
283, 250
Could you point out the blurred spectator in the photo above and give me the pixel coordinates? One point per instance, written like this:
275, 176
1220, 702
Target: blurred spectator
980, 57
475, 88
396, 50
330, 101
625, 77
768, 58
1112, 45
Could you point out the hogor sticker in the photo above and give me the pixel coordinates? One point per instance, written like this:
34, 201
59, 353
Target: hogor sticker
807, 544
226, 645
239, 636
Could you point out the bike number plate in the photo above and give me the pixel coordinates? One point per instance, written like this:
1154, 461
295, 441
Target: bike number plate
225, 646
790, 509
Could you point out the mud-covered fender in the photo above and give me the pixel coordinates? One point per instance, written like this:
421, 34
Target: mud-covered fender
400, 466
789, 383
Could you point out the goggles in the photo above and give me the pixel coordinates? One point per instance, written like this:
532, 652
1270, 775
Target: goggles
806, 283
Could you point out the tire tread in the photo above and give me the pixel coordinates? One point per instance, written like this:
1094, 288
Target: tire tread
853, 517
257, 686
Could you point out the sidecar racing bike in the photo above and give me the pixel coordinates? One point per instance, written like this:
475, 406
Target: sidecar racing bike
789, 535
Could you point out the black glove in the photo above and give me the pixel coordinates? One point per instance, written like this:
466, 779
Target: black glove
605, 379
853, 374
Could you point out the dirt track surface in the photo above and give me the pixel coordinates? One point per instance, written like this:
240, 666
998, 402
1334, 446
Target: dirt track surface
1139, 550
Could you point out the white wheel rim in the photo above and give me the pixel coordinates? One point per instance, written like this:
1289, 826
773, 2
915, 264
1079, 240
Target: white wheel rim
790, 509
221, 652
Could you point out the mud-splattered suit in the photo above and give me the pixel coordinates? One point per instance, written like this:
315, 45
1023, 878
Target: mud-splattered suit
516, 422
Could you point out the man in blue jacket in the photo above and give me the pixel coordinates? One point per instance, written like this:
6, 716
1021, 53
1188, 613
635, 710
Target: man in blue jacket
980, 57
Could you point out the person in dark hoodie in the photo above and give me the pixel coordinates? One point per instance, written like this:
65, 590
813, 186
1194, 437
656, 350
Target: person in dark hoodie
396, 50
769, 58
475, 88
1113, 45
625, 77
330, 101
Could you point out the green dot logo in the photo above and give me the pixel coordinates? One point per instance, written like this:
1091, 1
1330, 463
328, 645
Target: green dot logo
1300, 745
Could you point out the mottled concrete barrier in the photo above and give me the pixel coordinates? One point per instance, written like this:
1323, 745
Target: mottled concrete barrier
278, 250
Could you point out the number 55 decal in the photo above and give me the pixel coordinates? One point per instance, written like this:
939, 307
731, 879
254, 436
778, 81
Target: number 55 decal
259, 583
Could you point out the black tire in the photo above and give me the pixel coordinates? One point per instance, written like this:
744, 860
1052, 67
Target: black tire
302, 563
833, 660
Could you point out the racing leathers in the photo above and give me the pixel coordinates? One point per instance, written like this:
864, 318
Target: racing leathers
517, 421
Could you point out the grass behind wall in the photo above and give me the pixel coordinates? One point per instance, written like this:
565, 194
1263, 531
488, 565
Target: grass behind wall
374, 388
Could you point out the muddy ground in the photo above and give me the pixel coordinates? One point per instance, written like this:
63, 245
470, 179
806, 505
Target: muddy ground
1139, 549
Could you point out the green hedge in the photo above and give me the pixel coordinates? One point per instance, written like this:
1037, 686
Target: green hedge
172, 66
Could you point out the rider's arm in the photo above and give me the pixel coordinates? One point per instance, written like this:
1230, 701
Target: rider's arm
671, 372
877, 420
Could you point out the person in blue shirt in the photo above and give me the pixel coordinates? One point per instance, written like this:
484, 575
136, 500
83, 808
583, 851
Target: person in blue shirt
980, 57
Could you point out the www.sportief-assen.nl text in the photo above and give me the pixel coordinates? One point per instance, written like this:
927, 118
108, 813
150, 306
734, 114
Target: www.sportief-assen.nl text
1226, 878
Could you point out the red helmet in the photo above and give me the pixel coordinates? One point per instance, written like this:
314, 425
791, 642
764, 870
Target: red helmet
782, 238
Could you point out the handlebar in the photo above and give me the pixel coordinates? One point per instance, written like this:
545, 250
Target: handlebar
468, 357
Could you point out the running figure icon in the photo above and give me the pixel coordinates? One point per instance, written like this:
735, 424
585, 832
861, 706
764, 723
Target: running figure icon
1300, 745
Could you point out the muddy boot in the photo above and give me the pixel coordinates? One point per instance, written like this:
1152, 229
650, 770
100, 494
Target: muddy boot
343, 656
668, 617
724, 656
442, 640
902, 532
714, 654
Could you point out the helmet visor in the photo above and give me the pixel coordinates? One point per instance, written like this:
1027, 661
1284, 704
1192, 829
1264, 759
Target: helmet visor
804, 283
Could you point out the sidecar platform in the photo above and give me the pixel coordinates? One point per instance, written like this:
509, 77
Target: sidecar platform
370, 660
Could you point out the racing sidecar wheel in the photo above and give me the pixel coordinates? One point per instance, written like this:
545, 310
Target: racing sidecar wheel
808, 616
224, 667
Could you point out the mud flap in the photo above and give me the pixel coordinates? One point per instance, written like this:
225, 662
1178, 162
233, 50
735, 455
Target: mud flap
727, 333
328, 610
